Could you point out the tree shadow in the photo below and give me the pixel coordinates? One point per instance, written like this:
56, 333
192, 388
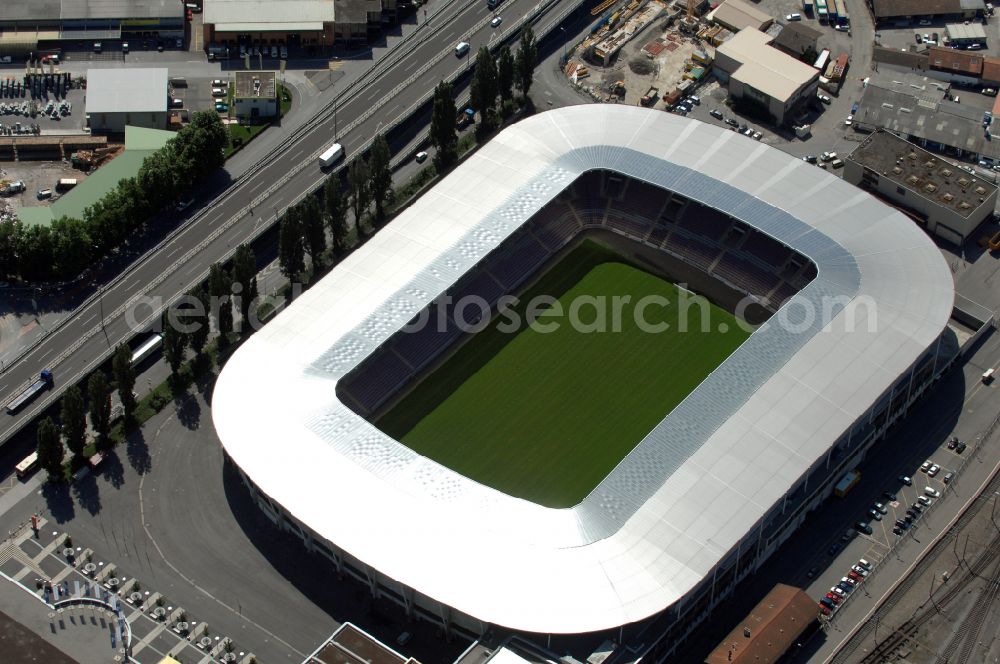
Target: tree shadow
58, 501
138, 452
113, 470
188, 411
87, 494
205, 383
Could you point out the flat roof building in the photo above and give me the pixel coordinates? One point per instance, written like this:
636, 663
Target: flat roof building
946, 200
255, 95
952, 60
757, 71
37, 25
887, 10
965, 33
737, 15
797, 38
119, 97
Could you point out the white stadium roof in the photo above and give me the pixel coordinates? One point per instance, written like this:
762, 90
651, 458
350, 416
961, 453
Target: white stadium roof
692, 489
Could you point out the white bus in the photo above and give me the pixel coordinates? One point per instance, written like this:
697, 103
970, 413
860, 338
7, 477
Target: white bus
332, 154
146, 349
27, 465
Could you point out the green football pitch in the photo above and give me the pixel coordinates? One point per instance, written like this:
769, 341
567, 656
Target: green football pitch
545, 415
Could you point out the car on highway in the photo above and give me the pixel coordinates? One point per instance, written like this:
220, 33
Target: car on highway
462, 49
933, 470
497, 20
906, 479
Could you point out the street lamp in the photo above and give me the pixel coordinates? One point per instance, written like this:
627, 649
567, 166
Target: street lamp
563, 30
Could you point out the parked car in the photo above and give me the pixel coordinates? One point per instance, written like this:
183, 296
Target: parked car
881, 508
918, 38
859, 569
825, 610
906, 479
823, 98
849, 120
124, 47
44, 193
809, 158
219, 83
948, 477
933, 470
716, 113
925, 466
896, 530
732, 123
873, 513
420, 157
925, 500
274, 51
834, 548
864, 563
695, 99
793, 17
757, 135
960, 448
837, 590
890, 496
952, 442
221, 107
834, 597
176, 103
219, 92
854, 576
863, 527
932, 492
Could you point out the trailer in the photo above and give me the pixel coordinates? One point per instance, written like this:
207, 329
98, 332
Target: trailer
846, 483
650, 97
43, 383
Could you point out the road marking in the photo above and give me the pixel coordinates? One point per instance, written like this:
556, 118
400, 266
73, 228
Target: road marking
299, 153
87, 321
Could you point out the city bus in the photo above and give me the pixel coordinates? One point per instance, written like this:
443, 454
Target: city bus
146, 349
27, 465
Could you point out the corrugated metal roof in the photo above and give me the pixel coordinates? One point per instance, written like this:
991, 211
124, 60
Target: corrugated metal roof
236, 15
764, 67
693, 488
54, 10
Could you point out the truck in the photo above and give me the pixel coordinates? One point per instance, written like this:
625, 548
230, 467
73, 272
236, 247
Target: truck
807, 7
465, 118
846, 483
330, 155
65, 184
650, 97
43, 383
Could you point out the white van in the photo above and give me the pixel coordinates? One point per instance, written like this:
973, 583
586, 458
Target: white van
988, 376
462, 49
332, 154
218, 92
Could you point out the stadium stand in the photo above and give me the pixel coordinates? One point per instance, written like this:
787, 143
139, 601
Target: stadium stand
769, 251
479, 284
705, 221
781, 294
692, 249
627, 223
425, 343
745, 275
381, 376
642, 200
518, 261
557, 224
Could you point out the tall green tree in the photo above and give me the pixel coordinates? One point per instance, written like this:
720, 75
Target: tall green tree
245, 274
525, 60
483, 89
73, 416
313, 228
336, 212
200, 304
221, 305
291, 253
381, 175
71, 247
505, 74
174, 343
99, 395
11, 234
359, 189
124, 374
442, 134
50, 449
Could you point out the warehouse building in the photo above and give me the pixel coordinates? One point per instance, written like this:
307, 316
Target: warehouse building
798, 39
890, 11
769, 630
962, 34
949, 202
119, 97
757, 72
256, 95
28, 27
738, 15
294, 23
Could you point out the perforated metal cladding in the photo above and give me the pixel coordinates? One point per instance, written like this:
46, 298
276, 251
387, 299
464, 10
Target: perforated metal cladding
683, 431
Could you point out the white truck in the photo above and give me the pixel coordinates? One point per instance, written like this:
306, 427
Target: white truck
331, 155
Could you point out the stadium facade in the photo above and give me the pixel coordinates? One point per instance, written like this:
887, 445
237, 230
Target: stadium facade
861, 300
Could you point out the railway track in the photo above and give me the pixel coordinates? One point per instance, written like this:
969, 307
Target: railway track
905, 633
967, 635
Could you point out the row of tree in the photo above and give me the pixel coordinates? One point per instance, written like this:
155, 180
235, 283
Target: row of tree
186, 324
63, 249
490, 93
302, 229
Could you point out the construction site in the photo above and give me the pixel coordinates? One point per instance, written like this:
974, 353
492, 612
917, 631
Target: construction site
645, 52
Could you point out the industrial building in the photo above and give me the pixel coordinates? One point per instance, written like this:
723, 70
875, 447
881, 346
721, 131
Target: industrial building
119, 97
948, 201
713, 489
255, 95
294, 23
888, 11
962, 34
755, 70
920, 109
798, 39
737, 15
27, 27
769, 630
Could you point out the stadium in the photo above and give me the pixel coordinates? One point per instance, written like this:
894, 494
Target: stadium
574, 482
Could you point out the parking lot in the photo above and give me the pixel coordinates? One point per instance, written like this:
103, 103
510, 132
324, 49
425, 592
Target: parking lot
903, 34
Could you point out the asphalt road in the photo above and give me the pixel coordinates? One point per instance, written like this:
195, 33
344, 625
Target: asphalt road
130, 304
